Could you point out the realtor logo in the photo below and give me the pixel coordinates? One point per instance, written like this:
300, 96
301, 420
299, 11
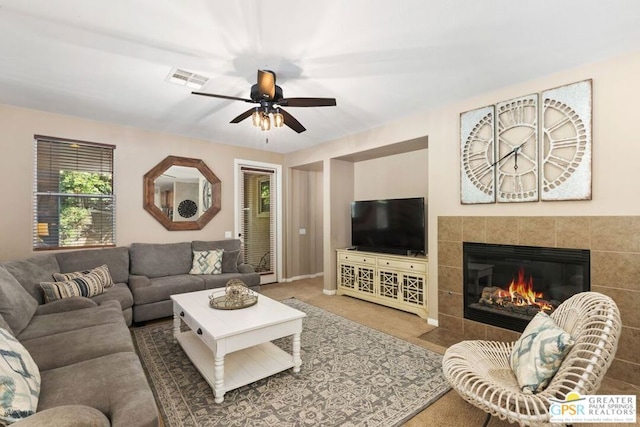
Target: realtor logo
593, 409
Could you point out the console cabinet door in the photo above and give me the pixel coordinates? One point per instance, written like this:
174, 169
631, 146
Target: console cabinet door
414, 288
356, 277
388, 284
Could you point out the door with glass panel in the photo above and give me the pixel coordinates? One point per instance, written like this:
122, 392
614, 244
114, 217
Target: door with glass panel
257, 221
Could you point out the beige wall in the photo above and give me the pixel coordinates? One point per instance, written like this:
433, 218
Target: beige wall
136, 153
615, 152
392, 177
304, 251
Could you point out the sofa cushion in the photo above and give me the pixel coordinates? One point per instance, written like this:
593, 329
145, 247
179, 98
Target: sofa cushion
538, 353
119, 292
117, 259
229, 246
55, 323
31, 271
67, 348
162, 288
160, 259
19, 380
87, 285
207, 262
67, 416
4, 325
212, 281
17, 307
230, 261
114, 384
102, 272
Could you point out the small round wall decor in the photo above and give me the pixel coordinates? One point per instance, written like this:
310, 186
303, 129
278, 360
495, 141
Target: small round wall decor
187, 208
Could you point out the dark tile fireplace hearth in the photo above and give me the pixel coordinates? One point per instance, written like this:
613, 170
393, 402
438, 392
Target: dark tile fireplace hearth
506, 285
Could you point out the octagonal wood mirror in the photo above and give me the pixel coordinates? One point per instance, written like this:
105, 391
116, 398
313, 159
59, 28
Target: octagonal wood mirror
182, 193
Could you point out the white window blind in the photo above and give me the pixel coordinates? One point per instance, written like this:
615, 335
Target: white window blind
258, 226
74, 204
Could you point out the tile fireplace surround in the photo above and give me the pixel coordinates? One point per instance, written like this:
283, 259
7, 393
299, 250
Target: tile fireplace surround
614, 242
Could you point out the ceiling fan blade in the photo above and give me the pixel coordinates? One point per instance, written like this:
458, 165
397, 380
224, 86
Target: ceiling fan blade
213, 95
243, 116
307, 102
267, 84
291, 121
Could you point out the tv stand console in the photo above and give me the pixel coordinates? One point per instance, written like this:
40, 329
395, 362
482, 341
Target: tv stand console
393, 280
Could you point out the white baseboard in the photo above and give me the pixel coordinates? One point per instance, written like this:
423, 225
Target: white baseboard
304, 276
432, 322
329, 291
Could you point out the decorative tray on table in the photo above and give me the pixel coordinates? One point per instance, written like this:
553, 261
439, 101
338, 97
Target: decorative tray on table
236, 295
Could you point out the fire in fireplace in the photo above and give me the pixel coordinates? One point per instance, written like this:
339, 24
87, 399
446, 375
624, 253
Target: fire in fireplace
506, 285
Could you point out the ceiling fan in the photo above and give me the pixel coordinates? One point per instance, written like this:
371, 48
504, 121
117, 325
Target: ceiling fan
269, 97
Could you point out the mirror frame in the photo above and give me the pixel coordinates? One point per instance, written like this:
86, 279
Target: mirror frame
149, 190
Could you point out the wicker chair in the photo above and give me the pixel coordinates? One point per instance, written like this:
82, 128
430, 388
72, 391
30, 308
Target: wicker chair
480, 372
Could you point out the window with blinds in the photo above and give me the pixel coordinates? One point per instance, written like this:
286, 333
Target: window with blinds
74, 204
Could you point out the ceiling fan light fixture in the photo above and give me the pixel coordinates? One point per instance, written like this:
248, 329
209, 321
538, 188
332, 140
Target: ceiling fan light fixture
265, 124
278, 119
256, 118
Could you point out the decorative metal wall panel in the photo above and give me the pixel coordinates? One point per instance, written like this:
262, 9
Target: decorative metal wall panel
477, 174
566, 146
517, 150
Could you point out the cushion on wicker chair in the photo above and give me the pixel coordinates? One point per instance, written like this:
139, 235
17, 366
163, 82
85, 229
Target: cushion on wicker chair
539, 352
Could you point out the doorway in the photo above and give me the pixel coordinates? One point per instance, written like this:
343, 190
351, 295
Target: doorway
258, 220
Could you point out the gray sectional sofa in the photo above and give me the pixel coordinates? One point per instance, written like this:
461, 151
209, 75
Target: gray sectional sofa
90, 373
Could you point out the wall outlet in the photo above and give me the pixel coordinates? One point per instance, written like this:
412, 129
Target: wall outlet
303, 231
227, 234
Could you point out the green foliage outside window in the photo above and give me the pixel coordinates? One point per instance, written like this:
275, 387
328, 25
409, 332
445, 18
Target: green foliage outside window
78, 211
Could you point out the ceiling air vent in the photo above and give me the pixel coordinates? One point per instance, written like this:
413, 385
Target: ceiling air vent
187, 78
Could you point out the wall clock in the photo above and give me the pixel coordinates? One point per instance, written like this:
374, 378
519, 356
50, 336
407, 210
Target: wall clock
187, 208
206, 195
566, 146
517, 150
477, 173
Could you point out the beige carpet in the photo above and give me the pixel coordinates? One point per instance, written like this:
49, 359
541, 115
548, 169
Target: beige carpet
449, 410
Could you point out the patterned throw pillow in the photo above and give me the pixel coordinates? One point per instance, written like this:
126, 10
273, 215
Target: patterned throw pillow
207, 262
19, 381
88, 285
538, 353
102, 272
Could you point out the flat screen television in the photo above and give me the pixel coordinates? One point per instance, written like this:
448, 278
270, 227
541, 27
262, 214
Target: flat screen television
394, 226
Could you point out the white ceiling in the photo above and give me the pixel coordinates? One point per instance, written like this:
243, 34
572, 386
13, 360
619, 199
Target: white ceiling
381, 60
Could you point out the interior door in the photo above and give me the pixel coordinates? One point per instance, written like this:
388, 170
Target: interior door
257, 219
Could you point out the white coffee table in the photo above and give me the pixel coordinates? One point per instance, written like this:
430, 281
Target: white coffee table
232, 348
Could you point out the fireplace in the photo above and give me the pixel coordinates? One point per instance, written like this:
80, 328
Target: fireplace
506, 285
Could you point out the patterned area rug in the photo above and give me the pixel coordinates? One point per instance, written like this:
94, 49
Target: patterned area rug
351, 376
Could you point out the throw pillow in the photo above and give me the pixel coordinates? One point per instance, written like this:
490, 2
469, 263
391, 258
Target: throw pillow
207, 262
230, 261
17, 307
88, 285
102, 272
538, 353
19, 380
